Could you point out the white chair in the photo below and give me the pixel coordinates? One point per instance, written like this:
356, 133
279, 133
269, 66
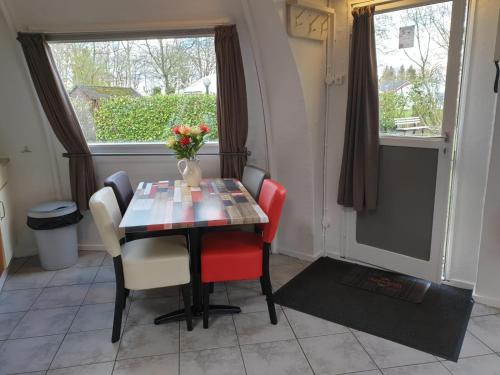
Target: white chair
141, 264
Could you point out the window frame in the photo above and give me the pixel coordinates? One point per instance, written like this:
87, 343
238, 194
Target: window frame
131, 148
454, 65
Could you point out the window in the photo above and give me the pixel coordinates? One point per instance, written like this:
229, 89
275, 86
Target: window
412, 57
135, 90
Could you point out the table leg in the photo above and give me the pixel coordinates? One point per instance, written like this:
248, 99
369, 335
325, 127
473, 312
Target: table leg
197, 308
194, 248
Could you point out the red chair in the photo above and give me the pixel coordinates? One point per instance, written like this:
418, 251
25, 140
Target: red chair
237, 255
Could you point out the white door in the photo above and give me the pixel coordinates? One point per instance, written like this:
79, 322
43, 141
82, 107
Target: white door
419, 53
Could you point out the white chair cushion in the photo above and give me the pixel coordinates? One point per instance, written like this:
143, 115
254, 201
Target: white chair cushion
155, 262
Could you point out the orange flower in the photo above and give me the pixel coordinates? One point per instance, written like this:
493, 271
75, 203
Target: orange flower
184, 130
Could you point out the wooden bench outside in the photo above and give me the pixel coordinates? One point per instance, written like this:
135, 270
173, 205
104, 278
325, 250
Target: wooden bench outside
409, 124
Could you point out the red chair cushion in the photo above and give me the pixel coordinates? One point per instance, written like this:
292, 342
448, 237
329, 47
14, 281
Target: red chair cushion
232, 255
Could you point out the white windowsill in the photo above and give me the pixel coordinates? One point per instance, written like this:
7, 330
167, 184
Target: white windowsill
153, 147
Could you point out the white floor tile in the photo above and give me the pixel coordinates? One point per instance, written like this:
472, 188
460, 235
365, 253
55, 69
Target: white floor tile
85, 348
224, 361
336, 354
100, 293
74, 276
25, 355
95, 317
473, 347
277, 358
149, 340
220, 334
61, 296
8, 322
95, 369
145, 311
255, 328
160, 365
479, 310
305, 325
483, 365
487, 329
18, 300
390, 354
425, 369
45, 322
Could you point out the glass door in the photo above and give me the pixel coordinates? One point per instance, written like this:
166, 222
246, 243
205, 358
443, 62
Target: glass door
419, 53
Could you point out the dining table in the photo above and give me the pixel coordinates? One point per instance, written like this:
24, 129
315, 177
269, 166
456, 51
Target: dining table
172, 205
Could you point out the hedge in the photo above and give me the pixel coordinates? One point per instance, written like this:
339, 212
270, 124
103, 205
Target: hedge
150, 118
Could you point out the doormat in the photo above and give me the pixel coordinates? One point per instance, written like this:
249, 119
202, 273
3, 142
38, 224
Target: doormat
391, 284
437, 325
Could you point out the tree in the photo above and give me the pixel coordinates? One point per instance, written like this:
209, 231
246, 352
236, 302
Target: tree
201, 53
389, 74
411, 73
144, 65
169, 60
401, 76
392, 105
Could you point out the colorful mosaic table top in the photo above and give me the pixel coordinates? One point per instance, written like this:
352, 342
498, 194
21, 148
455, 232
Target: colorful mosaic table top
172, 204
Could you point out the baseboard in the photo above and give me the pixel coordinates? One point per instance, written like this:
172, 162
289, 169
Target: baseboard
298, 254
3, 277
334, 255
485, 300
459, 284
91, 247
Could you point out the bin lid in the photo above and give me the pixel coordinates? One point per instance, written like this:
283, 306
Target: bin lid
52, 209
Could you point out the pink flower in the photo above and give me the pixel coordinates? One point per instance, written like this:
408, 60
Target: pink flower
175, 129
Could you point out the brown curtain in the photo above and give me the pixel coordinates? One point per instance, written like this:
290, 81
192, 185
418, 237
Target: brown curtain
62, 118
232, 112
358, 182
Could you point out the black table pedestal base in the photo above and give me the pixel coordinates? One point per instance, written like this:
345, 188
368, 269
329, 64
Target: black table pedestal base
197, 312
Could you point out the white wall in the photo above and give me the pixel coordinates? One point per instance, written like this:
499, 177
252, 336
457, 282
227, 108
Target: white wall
310, 58
265, 46
291, 148
30, 175
488, 277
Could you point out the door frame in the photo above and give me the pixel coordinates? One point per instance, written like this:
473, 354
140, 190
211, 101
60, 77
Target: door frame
3, 266
434, 268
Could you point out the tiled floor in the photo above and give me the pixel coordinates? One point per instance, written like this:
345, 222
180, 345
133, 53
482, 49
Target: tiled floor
58, 323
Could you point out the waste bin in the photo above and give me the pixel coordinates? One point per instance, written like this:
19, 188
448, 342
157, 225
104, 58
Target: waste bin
54, 224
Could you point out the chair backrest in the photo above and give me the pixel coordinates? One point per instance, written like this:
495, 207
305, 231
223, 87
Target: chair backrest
107, 217
252, 180
120, 183
271, 199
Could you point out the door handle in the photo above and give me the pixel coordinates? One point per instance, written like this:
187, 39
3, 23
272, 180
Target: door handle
3, 211
495, 86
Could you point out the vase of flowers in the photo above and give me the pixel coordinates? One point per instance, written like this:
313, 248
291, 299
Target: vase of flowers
186, 141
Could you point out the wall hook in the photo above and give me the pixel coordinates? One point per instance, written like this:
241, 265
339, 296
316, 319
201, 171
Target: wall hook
312, 23
297, 18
